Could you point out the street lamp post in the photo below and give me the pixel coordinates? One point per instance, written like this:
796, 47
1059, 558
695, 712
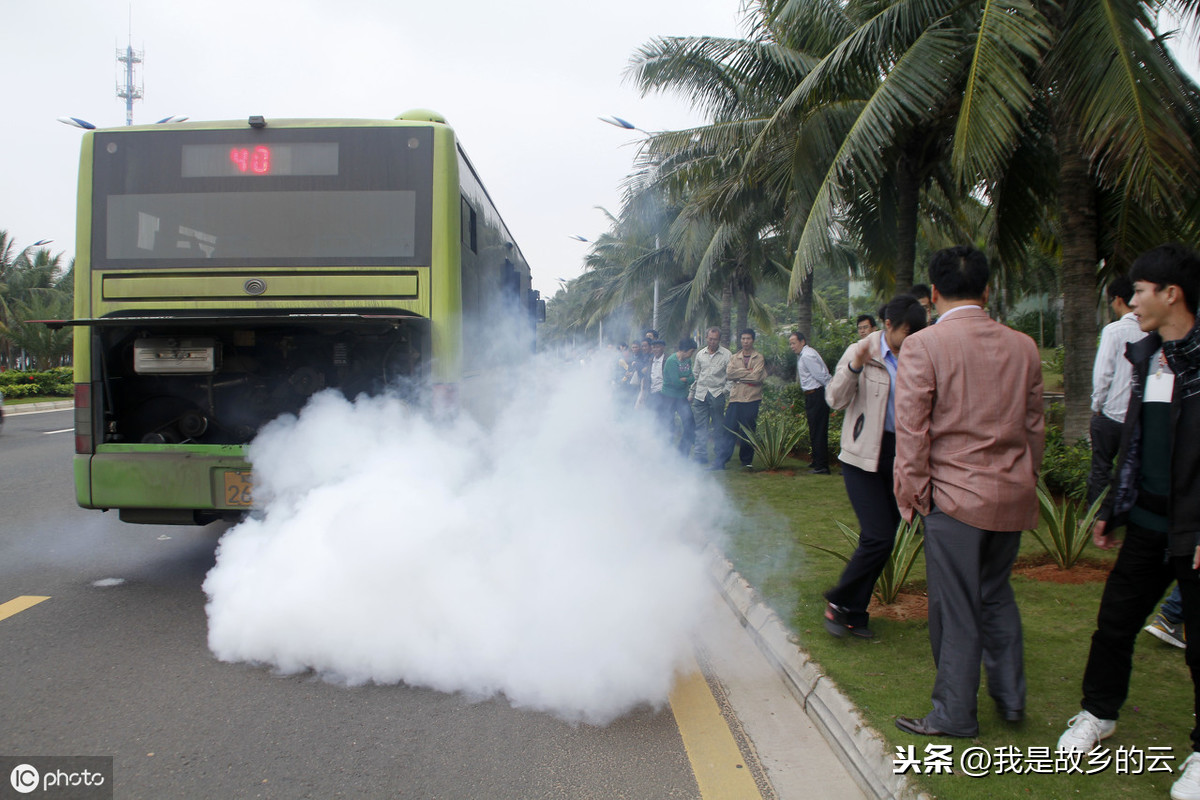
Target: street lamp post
618, 122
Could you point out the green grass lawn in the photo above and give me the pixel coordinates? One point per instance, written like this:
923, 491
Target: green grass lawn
18, 401
893, 674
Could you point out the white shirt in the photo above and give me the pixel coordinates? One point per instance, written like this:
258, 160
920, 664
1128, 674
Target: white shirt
956, 308
811, 371
709, 370
1112, 372
656, 376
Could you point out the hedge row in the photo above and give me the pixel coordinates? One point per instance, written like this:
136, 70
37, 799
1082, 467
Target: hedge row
57, 382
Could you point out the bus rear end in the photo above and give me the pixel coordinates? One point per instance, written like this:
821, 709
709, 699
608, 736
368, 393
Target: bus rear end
227, 272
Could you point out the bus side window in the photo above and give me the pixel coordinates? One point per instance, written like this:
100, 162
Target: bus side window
469, 225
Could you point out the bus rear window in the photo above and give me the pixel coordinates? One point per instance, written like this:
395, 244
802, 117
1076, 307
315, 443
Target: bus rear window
287, 226
307, 197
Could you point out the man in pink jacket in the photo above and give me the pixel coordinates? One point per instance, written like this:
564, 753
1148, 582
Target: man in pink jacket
969, 440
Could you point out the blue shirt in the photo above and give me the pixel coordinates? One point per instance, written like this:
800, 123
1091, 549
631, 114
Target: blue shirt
889, 361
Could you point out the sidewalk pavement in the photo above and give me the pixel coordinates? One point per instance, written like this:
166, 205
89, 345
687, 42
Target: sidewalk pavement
860, 749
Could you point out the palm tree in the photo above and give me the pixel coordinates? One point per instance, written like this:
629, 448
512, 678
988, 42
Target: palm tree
43, 346
1044, 109
789, 128
735, 212
22, 277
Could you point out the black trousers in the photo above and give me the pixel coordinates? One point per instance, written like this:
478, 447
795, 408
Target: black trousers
1105, 434
1134, 588
737, 415
874, 500
817, 412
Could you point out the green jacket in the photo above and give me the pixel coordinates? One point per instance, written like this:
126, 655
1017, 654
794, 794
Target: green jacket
677, 377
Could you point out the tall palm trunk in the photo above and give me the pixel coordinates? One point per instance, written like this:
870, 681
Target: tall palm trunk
743, 310
908, 190
804, 305
1077, 210
726, 313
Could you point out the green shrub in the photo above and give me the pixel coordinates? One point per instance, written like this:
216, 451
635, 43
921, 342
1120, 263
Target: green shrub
1068, 533
785, 401
13, 392
1065, 465
774, 440
57, 382
1041, 326
909, 543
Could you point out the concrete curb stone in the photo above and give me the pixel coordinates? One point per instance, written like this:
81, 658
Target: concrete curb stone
859, 747
29, 408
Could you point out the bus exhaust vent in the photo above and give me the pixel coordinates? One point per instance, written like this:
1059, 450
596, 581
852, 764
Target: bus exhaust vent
174, 356
255, 286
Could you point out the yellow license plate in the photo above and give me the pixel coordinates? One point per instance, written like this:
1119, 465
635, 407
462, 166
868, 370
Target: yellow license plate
237, 489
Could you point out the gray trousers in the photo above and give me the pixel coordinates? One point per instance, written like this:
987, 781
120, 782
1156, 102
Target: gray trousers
973, 619
709, 415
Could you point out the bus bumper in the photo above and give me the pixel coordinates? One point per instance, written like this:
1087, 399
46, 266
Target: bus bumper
163, 484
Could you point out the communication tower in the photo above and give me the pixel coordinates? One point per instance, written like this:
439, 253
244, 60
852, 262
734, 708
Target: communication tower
131, 90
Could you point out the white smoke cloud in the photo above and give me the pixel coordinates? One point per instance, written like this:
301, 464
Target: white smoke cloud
554, 559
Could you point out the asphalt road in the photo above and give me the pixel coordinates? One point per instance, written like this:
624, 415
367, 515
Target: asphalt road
115, 663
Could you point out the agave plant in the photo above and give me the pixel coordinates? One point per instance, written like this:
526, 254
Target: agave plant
908, 545
1068, 532
774, 440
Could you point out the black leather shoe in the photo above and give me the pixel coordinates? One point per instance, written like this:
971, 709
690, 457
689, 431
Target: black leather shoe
921, 728
1011, 714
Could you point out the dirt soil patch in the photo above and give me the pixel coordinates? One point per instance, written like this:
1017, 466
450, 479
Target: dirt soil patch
913, 604
909, 605
1043, 568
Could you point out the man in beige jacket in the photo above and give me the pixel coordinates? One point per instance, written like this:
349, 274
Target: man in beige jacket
745, 374
969, 440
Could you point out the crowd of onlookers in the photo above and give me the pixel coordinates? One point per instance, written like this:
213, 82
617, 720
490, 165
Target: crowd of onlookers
945, 423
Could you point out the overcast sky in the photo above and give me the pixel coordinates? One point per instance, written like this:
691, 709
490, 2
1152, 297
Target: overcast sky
523, 82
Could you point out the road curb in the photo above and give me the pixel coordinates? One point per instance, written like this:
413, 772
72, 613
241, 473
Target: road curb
31, 408
858, 746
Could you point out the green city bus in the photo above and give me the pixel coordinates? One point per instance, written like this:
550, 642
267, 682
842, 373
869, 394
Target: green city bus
227, 271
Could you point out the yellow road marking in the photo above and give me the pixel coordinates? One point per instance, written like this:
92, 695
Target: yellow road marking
716, 760
19, 604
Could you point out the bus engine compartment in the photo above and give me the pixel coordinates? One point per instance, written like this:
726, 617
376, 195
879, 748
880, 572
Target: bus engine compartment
208, 383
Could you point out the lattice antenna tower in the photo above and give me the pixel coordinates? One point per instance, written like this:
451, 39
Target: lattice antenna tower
132, 89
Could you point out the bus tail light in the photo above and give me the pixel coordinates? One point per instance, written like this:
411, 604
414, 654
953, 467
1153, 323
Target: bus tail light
84, 440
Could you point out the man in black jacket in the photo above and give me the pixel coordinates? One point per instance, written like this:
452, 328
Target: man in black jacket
1155, 494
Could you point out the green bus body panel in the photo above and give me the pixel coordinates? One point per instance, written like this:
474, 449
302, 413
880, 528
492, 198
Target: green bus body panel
232, 287
160, 476
446, 257
83, 480
190, 476
81, 347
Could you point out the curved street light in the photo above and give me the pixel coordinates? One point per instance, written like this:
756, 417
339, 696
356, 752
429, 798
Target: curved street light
617, 122
76, 122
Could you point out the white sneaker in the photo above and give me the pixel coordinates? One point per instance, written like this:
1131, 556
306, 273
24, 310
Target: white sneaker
1188, 785
1084, 731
